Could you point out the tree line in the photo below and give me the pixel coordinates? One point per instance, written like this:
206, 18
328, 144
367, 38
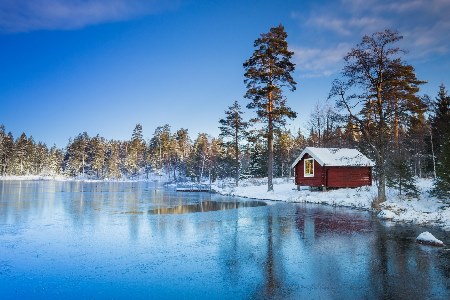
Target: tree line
173, 153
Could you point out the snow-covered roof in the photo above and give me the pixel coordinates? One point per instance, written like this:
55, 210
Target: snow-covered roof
336, 157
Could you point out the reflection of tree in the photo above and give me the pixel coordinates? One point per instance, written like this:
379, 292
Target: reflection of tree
132, 203
232, 249
80, 203
379, 265
271, 283
274, 285
204, 206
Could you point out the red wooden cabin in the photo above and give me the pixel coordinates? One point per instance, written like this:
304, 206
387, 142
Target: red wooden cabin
332, 168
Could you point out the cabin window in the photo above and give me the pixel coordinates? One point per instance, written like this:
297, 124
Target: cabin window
309, 167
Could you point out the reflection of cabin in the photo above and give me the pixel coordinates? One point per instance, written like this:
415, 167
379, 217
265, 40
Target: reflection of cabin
332, 167
329, 222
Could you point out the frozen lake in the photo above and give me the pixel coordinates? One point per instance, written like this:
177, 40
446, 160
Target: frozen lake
75, 240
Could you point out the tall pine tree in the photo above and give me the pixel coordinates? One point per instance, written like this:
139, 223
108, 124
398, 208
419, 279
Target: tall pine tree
267, 72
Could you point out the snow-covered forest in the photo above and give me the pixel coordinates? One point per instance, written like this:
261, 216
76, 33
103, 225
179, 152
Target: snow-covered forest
180, 156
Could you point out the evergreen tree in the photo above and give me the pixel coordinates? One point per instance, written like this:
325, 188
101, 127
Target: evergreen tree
284, 150
19, 165
198, 162
76, 160
99, 153
39, 153
440, 119
137, 133
217, 160
441, 187
233, 127
113, 161
6, 150
267, 72
401, 178
160, 147
182, 146
299, 144
416, 144
256, 149
135, 152
54, 162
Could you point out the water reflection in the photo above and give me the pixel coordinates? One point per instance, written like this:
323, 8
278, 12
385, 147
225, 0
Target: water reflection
137, 240
204, 206
311, 222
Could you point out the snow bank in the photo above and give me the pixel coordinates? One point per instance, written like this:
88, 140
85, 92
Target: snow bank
425, 210
386, 215
35, 177
428, 239
287, 191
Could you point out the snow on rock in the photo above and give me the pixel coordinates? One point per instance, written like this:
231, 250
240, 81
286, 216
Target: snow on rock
428, 239
386, 215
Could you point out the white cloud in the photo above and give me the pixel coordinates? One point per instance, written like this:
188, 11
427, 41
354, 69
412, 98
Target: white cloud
318, 62
330, 23
423, 23
27, 15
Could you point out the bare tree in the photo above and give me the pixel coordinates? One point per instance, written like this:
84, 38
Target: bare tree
376, 86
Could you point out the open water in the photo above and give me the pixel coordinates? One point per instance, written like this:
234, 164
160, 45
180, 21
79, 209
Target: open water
79, 240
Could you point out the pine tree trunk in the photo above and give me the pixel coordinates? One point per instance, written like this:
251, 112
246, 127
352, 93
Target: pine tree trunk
201, 170
432, 153
175, 172
270, 147
396, 123
236, 150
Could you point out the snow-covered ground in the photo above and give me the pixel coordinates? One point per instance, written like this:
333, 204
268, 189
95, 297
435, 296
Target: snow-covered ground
424, 210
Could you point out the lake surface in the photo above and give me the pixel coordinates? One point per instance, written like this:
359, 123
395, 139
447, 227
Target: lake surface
75, 240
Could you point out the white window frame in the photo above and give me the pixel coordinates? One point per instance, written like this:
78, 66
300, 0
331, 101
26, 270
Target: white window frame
304, 167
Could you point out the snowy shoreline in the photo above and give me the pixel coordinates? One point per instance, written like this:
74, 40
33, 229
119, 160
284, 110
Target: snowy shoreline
424, 210
151, 178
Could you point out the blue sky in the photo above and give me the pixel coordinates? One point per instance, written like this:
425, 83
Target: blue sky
102, 66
